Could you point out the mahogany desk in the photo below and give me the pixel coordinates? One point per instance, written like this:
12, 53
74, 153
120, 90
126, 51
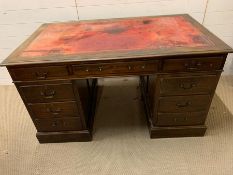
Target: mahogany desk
179, 63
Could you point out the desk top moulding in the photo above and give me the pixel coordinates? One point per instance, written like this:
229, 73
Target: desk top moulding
109, 39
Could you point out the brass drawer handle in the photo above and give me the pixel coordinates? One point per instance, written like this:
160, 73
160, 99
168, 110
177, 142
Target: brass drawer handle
193, 67
48, 94
129, 67
183, 105
41, 75
185, 119
54, 111
87, 70
100, 68
187, 86
143, 66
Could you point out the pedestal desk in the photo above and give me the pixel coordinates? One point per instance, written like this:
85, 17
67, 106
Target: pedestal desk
179, 63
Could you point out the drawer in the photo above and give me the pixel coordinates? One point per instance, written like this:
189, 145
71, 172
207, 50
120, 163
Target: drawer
38, 73
184, 103
180, 119
130, 68
193, 64
188, 85
58, 124
48, 93
51, 110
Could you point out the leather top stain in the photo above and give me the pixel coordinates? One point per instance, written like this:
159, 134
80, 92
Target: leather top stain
115, 36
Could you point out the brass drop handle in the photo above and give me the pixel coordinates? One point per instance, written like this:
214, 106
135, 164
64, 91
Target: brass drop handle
129, 67
54, 111
41, 75
143, 66
192, 67
185, 119
183, 105
100, 68
187, 86
87, 70
48, 93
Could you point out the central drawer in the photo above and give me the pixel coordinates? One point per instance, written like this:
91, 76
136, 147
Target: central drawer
58, 109
48, 93
58, 124
184, 103
125, 68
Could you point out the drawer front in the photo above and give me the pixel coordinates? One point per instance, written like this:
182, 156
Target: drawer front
180, 119
188, 85
195, 64
184, 103
48, 93
58, 124
131, 68
38, 73
58, 109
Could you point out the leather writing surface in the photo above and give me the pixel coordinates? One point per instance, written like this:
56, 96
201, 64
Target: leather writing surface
116, 35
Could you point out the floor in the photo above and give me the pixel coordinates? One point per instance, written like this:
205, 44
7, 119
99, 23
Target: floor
121, 143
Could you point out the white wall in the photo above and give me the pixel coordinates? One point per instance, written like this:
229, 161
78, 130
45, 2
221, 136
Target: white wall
19, 18
219, 20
